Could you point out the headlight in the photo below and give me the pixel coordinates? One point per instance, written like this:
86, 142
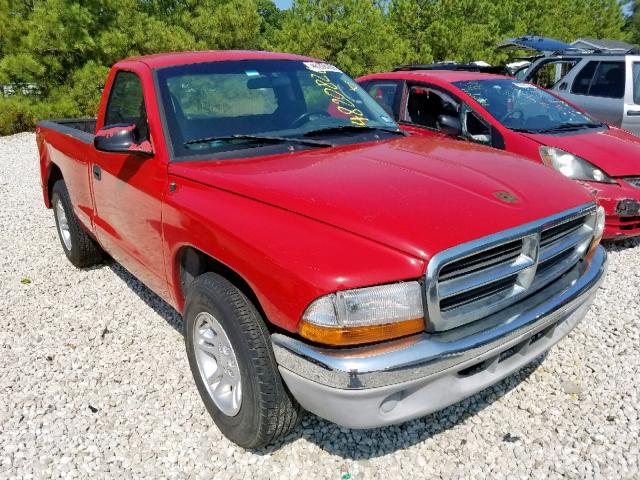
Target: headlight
599, 227
365, 315
572, 166
598, 230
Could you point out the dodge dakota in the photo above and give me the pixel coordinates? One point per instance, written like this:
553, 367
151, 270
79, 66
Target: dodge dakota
320, 258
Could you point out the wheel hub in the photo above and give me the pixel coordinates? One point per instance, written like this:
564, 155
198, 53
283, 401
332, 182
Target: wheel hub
63, 225
217, 364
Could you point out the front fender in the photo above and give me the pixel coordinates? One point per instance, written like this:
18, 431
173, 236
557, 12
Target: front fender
286, 258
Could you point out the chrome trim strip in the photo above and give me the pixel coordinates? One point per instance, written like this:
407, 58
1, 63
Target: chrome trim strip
470, 281
530, 233
426, 354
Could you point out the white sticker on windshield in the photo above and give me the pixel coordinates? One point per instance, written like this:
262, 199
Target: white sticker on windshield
524, 85
252, 73
319, 67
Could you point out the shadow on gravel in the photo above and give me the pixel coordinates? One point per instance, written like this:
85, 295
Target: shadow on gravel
363, 444
619, 245
367, 444
162, 308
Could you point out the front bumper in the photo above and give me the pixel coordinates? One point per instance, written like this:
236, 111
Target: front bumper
614, 198
392, 382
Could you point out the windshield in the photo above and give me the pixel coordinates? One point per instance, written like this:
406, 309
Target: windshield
250, 104
523, 106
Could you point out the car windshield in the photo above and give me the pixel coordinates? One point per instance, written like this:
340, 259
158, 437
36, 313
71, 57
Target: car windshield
231, 106
525, 107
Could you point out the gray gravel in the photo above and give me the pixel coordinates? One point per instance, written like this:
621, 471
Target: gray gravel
94, 382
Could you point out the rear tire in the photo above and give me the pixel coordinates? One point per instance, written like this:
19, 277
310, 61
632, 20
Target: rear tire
78, 246
232, 363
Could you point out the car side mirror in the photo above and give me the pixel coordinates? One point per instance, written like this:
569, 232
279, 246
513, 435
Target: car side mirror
449, 125
122, 139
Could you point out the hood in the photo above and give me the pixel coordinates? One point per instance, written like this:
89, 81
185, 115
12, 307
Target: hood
533, 42
414, 194
612, 150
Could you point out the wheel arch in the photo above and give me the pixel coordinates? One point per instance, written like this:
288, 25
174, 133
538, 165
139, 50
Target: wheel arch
191, 262
53, 176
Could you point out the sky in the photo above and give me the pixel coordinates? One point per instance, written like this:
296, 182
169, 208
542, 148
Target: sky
282, 4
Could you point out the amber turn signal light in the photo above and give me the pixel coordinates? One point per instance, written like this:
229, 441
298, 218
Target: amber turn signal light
356, 335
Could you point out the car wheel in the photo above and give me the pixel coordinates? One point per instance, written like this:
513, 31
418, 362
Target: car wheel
78, 246
232, 362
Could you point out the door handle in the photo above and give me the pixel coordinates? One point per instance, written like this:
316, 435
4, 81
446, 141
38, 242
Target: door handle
97, 172
633, 113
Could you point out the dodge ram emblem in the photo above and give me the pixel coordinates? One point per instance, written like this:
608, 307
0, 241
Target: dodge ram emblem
506, 196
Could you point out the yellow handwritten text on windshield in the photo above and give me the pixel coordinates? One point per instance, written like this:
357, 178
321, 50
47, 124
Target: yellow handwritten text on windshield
342, 102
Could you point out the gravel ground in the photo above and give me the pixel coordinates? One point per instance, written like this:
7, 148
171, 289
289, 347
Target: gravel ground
94, 382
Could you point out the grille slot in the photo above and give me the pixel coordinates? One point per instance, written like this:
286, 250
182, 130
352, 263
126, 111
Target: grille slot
475, 280
553, 234
484, 259
477, 293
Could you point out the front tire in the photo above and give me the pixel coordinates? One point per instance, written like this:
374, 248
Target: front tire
81, 250
232, 363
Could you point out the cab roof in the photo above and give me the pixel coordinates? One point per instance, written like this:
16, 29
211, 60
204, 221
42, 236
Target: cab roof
161, 60
446, 76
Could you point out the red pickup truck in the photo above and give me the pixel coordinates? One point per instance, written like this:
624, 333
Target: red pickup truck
320, 257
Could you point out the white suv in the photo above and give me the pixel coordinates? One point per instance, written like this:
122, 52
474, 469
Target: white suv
605, 85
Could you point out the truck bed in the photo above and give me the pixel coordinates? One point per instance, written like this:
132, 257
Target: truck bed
83, 129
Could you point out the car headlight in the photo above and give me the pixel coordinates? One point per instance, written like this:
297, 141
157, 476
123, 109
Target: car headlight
598, 231
365, 315
572, 166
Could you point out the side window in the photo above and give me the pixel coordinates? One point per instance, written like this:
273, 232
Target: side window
550, 73
582, 81
475, 128
425, 105
636, 83
384, 92
126, 102
608, 80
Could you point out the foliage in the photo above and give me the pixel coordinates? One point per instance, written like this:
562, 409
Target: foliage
54, 54
354, 34
632, 26
468, 30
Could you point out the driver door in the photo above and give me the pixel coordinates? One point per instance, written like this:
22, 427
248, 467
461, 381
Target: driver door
128, 190
423, 104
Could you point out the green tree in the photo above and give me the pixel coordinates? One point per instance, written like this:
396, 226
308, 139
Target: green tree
271, 21
467, 30
354, 34
222, 24
632, 25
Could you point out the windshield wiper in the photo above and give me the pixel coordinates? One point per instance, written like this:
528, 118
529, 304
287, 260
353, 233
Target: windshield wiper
352, 128
523, 130
569, 126
265, 138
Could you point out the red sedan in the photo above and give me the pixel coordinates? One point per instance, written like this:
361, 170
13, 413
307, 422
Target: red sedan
521, 118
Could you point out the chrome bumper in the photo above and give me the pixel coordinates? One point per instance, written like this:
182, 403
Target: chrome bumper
322, 378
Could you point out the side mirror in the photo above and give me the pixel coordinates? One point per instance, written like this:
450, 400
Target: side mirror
449, 125
122, 139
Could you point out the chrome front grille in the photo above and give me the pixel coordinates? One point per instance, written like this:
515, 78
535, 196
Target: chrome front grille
474, 280
633, 181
